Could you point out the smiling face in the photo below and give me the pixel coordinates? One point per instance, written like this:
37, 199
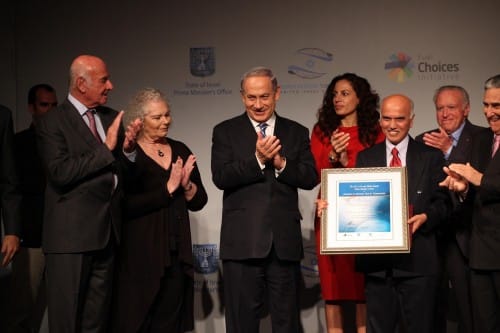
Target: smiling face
345, 99
90, 81
156, 121
396, 118
259, 97
98, 85
451, 110
491, 108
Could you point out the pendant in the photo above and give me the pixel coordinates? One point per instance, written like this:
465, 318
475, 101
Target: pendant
160, 153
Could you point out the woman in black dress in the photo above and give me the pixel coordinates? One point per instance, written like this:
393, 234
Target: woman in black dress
155, 267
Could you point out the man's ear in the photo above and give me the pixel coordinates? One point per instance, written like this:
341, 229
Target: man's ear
81, 84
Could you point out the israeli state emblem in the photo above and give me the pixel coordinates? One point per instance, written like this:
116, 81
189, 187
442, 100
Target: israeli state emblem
202, 61
206, 258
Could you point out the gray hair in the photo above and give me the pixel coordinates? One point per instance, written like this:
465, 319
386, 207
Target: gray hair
492, 82
260, 71
465, 94
137, 105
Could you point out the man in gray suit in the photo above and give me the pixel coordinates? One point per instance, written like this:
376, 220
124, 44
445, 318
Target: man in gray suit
79, 145
454, 138
260, 159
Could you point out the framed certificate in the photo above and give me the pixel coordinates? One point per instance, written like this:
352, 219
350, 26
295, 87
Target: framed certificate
367, 211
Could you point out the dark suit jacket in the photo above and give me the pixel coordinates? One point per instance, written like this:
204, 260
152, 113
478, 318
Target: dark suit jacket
259, 209
9, 194
459, 224
82, 207
485, 237
424, 168
32, 187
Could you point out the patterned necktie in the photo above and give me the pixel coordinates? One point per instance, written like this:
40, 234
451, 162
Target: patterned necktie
453, 140
395, 161
263, 127
496, 144
92, 126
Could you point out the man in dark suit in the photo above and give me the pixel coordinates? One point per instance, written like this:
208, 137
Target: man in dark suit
454, 138
78, 144
480, 181
406, 283
27, 300
9, 193
260, 159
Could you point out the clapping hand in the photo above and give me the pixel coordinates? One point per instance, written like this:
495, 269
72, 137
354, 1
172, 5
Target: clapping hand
267, 148
440, 140
131, 135
339, 141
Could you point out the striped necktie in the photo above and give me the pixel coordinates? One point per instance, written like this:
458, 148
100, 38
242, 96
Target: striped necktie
263, 127
496, 143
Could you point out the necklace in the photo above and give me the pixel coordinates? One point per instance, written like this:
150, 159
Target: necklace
155, 144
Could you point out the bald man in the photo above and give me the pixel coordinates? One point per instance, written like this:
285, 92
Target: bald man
80, 145
406, 283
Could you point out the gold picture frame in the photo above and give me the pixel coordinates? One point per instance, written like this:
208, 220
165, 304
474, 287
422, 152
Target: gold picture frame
367, 211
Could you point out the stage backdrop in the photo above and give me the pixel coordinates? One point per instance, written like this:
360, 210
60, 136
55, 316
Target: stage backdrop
195, 51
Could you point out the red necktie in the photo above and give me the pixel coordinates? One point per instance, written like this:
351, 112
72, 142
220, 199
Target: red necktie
395, 162
92, 126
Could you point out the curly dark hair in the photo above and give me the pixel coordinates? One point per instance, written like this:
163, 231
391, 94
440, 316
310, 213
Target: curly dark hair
367, 110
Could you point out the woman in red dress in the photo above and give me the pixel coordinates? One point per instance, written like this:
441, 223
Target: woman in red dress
347, 123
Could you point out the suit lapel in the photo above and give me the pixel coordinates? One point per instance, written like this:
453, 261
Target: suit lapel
106, 117
484, 156
76, 122
245, 134
414, 166
378, 155
460, 153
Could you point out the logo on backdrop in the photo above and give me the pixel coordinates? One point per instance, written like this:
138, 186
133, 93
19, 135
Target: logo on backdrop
400, 67
312, 61
202, 61
206, 258
202, 65
309, 263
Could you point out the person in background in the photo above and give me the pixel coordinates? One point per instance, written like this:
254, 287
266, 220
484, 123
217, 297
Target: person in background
405, 284
478, 183
10, 199
347, 123
155, 276
454, 138
260, 160
80, 143
27, 288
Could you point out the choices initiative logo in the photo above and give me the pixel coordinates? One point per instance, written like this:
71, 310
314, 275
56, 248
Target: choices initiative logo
311, 62
400, 67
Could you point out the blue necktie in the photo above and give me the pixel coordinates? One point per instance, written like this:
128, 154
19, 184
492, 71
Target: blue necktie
263, 127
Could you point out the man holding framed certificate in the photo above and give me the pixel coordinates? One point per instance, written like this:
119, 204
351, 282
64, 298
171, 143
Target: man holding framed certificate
406, 283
